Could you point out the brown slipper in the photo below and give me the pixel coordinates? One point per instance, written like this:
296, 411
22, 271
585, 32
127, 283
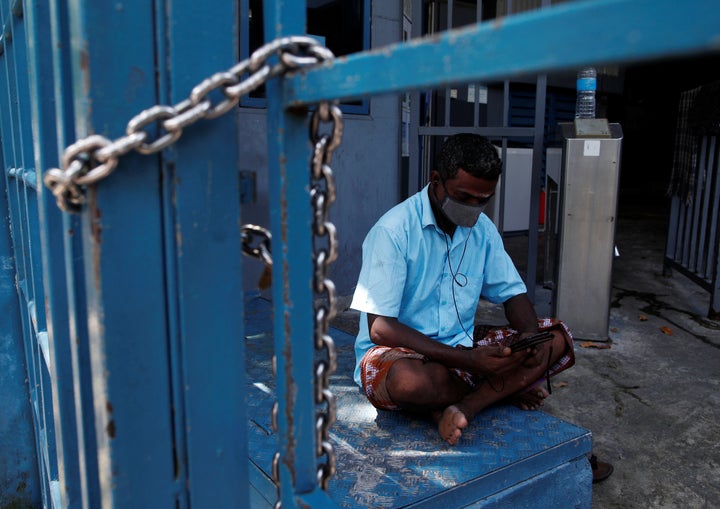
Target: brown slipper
600, 470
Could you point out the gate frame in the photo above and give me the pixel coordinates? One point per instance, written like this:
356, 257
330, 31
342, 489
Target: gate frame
146, 356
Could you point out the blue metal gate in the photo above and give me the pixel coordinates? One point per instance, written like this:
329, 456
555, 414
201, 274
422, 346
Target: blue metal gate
131, 309
692, 243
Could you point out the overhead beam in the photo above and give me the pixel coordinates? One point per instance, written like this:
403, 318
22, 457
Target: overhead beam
565, 36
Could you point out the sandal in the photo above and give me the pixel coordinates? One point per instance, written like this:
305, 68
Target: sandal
600, 470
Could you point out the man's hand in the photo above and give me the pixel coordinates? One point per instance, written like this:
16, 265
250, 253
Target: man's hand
521, 316
495, 360
534, 355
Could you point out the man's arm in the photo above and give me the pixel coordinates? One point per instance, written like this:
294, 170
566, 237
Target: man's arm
388, 331
522, 317
521, 314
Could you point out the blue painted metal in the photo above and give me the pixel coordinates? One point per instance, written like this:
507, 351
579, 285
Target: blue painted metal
291, 219
132, 312
363, 108
203, 255
248, 187
565, 36
21, 485
208, 431
72, 431
123, 262
18, 464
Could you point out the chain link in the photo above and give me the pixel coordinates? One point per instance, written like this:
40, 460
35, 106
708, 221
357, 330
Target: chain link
276, 478
263, 251
92, 159
322, 196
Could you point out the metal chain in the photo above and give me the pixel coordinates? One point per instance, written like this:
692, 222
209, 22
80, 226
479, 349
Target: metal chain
322, 196
92, 159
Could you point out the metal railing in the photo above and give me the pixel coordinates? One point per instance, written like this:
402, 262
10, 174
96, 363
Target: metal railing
694, 226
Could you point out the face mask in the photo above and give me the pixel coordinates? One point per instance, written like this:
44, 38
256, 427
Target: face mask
459, 213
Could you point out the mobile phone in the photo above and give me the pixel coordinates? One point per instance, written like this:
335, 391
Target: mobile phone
531, 341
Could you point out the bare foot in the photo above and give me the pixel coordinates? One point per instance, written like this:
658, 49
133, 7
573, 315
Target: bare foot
531, 399
451, 423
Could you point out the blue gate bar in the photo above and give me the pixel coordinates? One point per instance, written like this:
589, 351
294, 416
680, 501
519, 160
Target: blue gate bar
69, 428
544, 40
123, 271
26, 170
71, 265
22, 201
203, 259
291, 219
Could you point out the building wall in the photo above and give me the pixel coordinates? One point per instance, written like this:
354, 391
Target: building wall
366, 165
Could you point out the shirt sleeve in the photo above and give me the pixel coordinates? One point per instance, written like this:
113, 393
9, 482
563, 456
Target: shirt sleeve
383, 273
502, 280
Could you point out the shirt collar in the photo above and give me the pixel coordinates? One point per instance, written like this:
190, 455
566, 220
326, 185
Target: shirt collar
428, 216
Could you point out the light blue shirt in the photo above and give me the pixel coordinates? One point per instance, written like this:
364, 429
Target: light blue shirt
405, 274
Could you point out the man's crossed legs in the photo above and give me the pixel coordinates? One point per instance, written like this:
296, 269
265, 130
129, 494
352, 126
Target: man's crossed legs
399, 378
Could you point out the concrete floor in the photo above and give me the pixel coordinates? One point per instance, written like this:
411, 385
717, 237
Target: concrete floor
652, 399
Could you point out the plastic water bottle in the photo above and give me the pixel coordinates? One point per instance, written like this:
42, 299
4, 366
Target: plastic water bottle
586, 85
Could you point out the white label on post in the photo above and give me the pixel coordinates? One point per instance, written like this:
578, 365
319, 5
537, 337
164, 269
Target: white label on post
592, 148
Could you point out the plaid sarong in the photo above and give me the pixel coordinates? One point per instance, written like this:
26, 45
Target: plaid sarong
377, 362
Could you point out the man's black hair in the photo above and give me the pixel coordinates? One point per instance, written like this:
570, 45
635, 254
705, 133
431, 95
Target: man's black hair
471, 152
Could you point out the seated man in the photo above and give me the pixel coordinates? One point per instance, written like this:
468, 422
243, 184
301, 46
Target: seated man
426, 263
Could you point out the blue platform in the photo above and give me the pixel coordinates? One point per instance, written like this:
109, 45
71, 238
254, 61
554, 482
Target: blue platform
506, 458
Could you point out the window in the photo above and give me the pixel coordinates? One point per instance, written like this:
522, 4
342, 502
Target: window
343, 25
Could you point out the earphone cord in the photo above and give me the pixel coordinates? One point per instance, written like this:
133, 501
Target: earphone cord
455, 280
457, 312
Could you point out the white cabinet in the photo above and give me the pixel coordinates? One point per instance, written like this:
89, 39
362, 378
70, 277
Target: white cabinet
515, 183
